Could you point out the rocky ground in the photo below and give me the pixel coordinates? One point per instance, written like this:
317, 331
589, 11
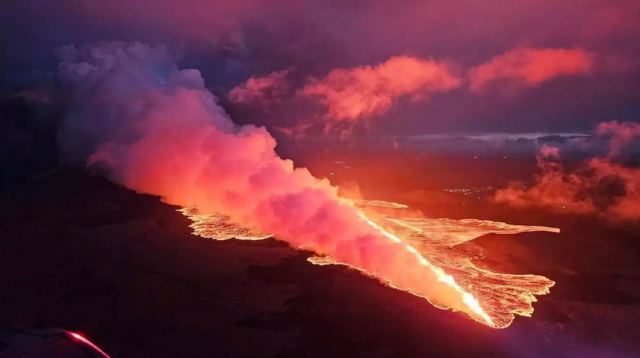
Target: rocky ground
80, 253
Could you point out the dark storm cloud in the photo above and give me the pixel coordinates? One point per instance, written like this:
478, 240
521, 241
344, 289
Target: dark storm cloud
231, 41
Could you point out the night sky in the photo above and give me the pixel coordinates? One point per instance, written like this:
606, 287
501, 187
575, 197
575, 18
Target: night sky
548, 65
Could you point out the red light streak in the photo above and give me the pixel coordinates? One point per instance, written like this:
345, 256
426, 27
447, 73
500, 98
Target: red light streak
82, 339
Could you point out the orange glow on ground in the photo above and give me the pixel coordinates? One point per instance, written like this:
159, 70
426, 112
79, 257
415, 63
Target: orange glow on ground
471, 302
490, 298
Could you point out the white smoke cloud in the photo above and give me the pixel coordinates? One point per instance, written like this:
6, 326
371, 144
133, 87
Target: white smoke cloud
156, 129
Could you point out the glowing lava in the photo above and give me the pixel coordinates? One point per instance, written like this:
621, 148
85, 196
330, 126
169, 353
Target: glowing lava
491, 298
468, 299
502, 295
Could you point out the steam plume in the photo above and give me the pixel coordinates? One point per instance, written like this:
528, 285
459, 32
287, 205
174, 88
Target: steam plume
156, 129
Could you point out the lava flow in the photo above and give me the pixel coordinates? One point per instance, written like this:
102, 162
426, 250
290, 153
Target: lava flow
492, 298
167, 136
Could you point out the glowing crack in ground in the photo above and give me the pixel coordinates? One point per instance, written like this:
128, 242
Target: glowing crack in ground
494, 298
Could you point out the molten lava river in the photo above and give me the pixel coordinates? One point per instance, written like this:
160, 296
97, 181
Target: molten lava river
492, 298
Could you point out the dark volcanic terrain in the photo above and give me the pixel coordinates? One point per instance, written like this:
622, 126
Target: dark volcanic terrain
80, 253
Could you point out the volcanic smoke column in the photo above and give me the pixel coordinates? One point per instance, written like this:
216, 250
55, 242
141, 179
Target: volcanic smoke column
156, 129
